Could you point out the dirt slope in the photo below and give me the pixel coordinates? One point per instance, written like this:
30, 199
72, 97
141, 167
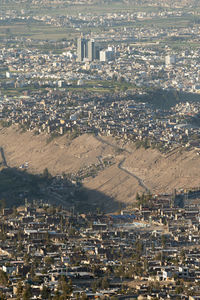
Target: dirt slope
59, 156
133, 169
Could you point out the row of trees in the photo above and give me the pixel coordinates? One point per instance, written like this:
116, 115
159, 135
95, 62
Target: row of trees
144, 199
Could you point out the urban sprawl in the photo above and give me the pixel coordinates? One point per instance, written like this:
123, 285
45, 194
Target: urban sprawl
100, 84
133, 75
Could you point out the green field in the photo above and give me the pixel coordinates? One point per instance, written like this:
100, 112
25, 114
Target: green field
62, 9
35, 31
90, 86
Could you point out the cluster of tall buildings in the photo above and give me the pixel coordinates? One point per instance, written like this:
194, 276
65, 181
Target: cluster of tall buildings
88, 50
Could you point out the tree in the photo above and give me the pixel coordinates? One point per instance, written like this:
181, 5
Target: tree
65, 287
2, 296
72, 232
146, 144
3, 232
105, 283
56, 296
20, 247
19, 290
182, 254
45, 292
137, 196
157, 285
26, 258
46, 174
15, 213
138, 248
48, 260
145, 264
163, 241
47, 238
27, 292
3, 278
94, 286
179, 289
84, 296
121, 79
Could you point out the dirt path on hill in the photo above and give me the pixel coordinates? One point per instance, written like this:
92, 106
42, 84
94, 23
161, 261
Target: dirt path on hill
120, 164
140, 181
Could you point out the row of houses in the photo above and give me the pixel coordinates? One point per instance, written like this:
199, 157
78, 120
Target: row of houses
153, 251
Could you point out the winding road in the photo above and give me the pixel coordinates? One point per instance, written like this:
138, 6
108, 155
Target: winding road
140, 181
111, 145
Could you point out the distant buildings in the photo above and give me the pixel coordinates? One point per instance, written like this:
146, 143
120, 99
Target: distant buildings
91, 50
81, 49
106, 55
87, 50
170, 60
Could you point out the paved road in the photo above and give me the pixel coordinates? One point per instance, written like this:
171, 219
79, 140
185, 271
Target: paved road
140, 181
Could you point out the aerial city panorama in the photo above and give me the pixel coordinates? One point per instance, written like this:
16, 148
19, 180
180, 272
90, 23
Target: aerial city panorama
99, 149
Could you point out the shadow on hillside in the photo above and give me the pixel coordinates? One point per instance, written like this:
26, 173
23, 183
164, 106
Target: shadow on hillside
96, 200
165, 99
16, 185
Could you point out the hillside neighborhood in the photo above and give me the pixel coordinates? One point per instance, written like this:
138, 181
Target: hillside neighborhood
150, 252
99, 149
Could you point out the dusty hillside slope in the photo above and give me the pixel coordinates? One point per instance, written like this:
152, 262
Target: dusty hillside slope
132, 170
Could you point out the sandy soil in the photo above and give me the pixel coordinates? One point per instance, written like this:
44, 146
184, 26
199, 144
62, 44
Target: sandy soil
133, 168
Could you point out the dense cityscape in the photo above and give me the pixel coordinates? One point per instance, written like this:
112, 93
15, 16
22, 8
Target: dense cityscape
125, 70
50, 253
82, 87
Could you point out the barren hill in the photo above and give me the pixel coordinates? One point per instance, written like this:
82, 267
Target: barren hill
129, 170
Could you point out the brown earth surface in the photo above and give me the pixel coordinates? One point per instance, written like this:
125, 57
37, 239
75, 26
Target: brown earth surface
133, 170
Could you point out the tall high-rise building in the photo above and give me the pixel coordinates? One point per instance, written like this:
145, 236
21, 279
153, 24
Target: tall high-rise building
86, 49
82, 48
79, 49
97, 49
91, 50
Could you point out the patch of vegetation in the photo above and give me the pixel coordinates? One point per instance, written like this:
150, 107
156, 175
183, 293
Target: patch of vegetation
74, 133
5, 123
144, 200
144, 143
52, 136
